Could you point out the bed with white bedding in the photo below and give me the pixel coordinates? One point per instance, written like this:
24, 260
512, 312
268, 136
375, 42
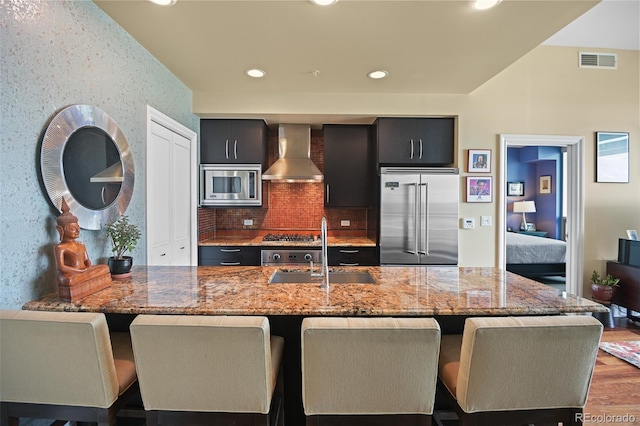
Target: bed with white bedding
533, 256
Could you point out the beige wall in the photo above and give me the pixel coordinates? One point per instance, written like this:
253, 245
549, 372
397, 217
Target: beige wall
545, 92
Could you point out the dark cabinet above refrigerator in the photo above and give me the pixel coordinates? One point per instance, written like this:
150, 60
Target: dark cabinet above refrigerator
415, 141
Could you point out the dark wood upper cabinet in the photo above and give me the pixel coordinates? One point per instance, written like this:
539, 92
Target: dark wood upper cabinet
233, 141
415, 141
348, 165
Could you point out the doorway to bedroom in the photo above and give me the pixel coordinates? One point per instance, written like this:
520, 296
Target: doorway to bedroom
535, 240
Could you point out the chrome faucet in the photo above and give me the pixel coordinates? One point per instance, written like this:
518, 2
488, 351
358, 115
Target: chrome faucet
324, 272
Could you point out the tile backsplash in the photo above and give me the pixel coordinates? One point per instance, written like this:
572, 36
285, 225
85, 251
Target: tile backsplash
293, 207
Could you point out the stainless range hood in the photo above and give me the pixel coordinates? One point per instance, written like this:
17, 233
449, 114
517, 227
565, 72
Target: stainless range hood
294, 163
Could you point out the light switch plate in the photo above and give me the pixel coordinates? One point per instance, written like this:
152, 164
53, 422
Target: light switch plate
248, 222
485, 220
345, 223
468, 223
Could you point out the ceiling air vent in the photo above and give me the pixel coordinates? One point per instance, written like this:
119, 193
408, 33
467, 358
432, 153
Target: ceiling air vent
598, 60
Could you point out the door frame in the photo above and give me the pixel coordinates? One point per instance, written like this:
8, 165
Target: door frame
153, 115
575, 200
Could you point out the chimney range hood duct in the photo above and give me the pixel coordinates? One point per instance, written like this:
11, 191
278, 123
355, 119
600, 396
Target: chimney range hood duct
294, 163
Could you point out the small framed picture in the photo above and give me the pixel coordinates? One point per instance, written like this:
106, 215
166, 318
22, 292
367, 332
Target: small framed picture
479, 189
612, 157
479, 160
545, 184
632, 234
515, 189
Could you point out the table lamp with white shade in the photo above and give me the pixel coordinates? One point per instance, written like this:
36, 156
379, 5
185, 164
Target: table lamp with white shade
524, 207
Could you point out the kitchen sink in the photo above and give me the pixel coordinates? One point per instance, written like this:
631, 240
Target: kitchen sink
335, 277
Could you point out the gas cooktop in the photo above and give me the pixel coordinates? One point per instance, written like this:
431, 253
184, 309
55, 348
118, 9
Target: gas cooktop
289, 237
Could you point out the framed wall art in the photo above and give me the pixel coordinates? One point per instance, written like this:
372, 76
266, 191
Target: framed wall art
515, 189
612, 157
545, 184
479, 160
479, 189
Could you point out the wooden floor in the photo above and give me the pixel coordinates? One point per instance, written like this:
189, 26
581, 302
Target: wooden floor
615, 387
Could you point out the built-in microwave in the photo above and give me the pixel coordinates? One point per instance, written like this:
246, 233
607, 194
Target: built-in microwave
230, 185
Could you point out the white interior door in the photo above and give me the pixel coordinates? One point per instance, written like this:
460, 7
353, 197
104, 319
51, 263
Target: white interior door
181, 199
171, 192
159, 201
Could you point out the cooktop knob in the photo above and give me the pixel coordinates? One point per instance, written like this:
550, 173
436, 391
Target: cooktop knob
308, 257
276, 256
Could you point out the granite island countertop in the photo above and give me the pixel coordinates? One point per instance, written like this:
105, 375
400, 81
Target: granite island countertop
398, 291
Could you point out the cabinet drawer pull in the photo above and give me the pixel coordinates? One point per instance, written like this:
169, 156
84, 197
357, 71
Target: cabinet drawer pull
163, 254
327, 193
235, 149
182, 248
349, 264
229, 263
350, 251
420, 149
411, 156
229, 250
226, 149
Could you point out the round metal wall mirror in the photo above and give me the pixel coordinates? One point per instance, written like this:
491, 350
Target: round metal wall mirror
86, 159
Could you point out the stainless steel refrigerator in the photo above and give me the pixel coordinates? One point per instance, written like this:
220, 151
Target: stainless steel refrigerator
419, 216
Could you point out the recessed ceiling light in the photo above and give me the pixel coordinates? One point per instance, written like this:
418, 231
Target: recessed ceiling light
486, 4
164, 2
324, 2
378, 74
256, 73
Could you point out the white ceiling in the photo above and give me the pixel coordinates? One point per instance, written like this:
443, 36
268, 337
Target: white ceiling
612, 24
428, 46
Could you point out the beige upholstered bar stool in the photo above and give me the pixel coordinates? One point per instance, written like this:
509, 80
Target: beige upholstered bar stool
520, 370
371, 371
208, 369
63, 365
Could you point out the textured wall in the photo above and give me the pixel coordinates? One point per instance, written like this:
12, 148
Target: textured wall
56, 54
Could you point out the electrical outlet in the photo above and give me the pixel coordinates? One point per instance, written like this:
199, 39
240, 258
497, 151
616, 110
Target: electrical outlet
485, 220
468, 223
345, 223
248, 222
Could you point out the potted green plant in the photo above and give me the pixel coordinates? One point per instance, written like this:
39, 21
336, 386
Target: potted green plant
124, 236
603, 287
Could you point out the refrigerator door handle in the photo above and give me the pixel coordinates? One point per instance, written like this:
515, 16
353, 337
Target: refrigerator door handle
416, 219
424, 204
423, 248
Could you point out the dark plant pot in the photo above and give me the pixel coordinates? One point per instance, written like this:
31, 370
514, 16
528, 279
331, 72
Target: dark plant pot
120, 268
602, 293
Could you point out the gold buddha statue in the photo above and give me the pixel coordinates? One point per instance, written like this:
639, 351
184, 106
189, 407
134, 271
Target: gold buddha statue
77, 276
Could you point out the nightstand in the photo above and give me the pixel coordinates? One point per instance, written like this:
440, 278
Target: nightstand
534, 233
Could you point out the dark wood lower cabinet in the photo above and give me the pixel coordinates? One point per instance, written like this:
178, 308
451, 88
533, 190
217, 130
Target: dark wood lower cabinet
628, 294
229, 256
352, 256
